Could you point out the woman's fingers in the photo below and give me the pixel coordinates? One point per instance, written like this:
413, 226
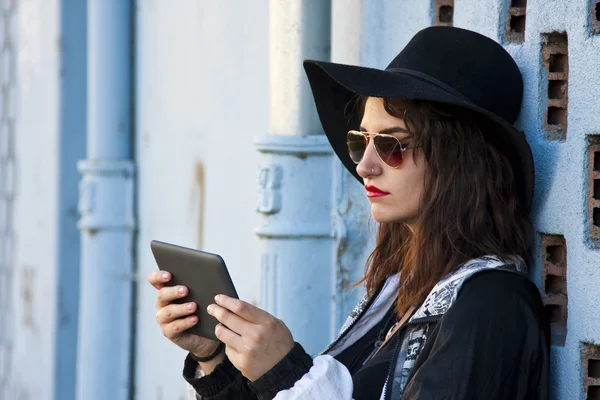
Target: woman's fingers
229, 337
256, 340
172, 312
230, 320
168, 294
158, 279
245, 310
176, 328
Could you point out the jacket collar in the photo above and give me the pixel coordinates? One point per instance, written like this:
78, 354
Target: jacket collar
445, 292
369, 311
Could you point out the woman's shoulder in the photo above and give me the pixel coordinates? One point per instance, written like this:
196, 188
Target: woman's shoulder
447, 291
500, 292
501, 283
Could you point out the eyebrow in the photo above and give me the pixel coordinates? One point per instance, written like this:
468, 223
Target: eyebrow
389, 131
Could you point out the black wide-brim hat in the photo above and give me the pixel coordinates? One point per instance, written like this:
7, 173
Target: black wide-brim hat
440, 64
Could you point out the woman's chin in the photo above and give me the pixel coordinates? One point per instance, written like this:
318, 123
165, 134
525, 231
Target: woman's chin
383, 217
386, 216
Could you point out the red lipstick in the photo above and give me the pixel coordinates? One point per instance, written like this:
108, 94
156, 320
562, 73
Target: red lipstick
374, 191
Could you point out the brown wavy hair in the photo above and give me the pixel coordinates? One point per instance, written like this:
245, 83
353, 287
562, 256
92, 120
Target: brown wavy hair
469, 208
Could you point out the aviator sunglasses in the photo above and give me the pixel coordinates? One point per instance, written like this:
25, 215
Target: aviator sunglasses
388, 147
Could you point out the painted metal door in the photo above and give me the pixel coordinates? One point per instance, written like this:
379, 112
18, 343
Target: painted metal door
7, 162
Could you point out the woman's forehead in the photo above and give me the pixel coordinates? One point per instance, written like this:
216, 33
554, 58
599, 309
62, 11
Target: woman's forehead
377, 120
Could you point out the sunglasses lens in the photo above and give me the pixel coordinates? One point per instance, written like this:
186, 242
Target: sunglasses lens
389, 150
357, 143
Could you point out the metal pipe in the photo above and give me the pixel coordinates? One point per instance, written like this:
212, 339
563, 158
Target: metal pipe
106, 208
72, 142
350, 208
295, 178
298, 29
109, 82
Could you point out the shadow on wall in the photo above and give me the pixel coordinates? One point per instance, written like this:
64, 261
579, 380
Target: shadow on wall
545, 158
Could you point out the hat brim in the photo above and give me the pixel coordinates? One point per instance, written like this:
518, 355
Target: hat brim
334, 86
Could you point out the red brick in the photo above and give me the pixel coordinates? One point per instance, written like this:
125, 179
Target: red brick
444, 13
555, 58
590, 358
595, 16
515, 22
554, 285
593, 154
557, 89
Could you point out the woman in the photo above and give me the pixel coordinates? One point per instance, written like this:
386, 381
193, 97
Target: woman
449, 311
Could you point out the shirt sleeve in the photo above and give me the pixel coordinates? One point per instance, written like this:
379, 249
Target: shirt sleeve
283, 375
226, 382
327, 379
491, 344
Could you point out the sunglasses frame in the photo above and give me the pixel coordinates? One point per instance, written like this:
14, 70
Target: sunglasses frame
368, 135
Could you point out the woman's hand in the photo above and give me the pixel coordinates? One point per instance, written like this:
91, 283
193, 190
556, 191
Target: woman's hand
255, 339
174, 319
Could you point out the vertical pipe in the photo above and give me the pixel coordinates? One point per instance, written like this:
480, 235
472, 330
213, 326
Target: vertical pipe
350, 208
298, 29
346, 31
106, 208
109, 81
72, 144
295, 177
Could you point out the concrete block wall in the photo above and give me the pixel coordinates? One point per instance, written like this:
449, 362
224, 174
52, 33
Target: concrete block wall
561, 158
566, 157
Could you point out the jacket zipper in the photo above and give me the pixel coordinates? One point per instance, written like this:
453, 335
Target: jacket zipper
377, 344
394, 360
425, 320
343, 333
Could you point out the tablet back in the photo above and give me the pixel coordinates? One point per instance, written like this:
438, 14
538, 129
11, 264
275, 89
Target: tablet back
204, 274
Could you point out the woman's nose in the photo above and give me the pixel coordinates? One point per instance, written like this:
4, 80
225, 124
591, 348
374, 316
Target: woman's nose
370, 164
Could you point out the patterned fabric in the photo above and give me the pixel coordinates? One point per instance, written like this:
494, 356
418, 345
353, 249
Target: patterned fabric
356, 311
444, 293
409, 352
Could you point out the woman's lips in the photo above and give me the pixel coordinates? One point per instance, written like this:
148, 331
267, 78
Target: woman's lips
374, 191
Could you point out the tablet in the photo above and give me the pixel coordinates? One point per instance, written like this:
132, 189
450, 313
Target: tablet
204, 274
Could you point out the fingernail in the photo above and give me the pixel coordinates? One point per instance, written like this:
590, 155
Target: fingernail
218, 298
164, 276
190, 306
209, 308
180, 290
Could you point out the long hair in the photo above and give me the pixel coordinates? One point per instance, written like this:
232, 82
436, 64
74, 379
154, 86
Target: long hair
469, 207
